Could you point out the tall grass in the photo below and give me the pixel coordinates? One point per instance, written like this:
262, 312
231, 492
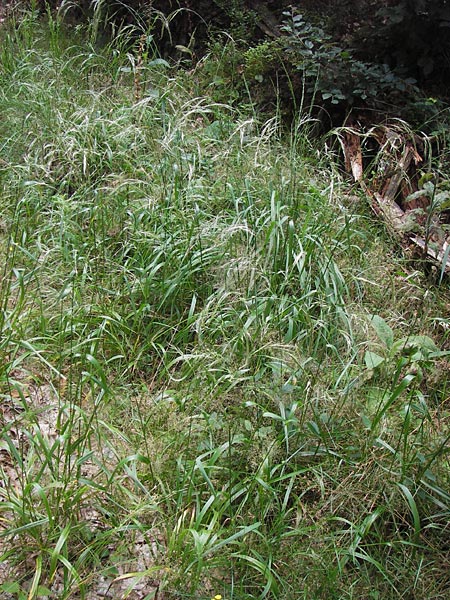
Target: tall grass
195, 397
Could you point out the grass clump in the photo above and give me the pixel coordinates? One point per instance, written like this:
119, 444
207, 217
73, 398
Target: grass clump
213, 379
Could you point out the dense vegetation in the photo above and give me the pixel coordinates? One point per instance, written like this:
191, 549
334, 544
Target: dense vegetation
363, 54
218, 376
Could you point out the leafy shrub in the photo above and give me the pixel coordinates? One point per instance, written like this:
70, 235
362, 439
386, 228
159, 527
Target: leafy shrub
333, 71
307, 67
411, 36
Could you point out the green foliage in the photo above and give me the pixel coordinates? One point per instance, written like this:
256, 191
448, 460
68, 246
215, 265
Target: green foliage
416, 351
183, 307
424, 47
306, 68
242, 19
334, 72
409, 35
262, 59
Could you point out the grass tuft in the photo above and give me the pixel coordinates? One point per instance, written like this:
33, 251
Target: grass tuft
217, 379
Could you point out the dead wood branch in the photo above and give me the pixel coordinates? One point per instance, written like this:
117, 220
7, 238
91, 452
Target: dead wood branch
393, 190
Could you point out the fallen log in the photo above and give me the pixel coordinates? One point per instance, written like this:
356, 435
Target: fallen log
394, 188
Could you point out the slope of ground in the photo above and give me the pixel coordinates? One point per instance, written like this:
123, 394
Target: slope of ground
217, 379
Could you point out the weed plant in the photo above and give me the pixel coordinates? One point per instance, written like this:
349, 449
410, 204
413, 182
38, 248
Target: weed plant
216, 376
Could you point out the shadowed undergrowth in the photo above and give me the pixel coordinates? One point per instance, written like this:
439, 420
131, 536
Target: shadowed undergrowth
216, 376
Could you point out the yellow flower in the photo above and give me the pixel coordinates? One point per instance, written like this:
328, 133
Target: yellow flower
217, 597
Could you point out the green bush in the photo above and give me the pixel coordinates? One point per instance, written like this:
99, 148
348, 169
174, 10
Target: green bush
322, 72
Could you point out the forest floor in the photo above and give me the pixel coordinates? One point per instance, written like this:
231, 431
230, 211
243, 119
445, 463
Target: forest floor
219, 375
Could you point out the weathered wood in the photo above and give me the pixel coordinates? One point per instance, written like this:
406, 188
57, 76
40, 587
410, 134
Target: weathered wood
266, 20
392, 184
396, 180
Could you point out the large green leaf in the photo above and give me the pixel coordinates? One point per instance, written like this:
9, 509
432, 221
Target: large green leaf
384, 332
372, 360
